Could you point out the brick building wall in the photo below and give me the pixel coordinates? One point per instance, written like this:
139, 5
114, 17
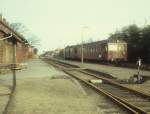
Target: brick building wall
23, 51
30, 52
18, 52
1, 47
1, 52
7, 52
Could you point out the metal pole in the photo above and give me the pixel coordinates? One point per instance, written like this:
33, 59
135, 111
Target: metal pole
138, 73
82, 48
14, 66
139, 64
6, 37
64, 53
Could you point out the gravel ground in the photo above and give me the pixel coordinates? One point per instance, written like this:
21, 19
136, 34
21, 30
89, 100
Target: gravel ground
49, 97
118, 72
3, 102
5, 91
41, 89
141, 87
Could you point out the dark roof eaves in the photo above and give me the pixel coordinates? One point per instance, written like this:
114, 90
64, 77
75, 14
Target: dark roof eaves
14, 32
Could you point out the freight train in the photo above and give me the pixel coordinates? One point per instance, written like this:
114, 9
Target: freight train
105, 50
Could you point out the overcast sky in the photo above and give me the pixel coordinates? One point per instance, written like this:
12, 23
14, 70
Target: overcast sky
59, 22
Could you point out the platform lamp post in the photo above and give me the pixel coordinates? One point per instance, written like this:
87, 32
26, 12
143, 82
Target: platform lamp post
64, 52
82, 48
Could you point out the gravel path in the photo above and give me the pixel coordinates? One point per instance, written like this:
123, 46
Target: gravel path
145, 87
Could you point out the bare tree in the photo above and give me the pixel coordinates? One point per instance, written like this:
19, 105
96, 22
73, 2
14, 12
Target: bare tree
24, 31
18, 27
90, 40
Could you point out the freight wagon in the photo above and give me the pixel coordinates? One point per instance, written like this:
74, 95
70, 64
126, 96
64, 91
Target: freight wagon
101, 51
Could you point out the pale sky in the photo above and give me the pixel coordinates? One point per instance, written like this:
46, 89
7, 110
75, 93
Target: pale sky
59, 22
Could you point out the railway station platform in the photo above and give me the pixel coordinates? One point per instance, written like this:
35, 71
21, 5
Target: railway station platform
42, 89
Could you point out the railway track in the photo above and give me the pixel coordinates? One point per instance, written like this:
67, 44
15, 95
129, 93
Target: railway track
132, 100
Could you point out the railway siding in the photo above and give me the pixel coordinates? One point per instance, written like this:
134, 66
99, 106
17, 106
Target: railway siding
127, 96
114, 108
117, 72
114, 72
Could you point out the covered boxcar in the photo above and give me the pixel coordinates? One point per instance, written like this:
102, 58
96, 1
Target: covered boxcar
105, 50
71, 52
95, 50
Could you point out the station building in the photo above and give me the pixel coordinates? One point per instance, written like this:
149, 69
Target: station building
9, 38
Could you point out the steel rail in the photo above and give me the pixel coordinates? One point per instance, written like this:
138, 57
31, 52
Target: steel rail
141, 111
104, 93
109, 95
109, 80
118, 84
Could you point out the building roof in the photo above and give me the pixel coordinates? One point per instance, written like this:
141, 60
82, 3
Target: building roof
97, 42
9, 30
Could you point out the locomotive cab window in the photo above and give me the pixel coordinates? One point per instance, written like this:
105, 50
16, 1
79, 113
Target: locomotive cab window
106, 48
121, 47
112, 47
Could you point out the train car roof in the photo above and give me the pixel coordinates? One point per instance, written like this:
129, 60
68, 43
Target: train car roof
98, 42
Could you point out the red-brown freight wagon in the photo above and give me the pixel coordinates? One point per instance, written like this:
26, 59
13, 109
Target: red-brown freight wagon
101, 50
71, 52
